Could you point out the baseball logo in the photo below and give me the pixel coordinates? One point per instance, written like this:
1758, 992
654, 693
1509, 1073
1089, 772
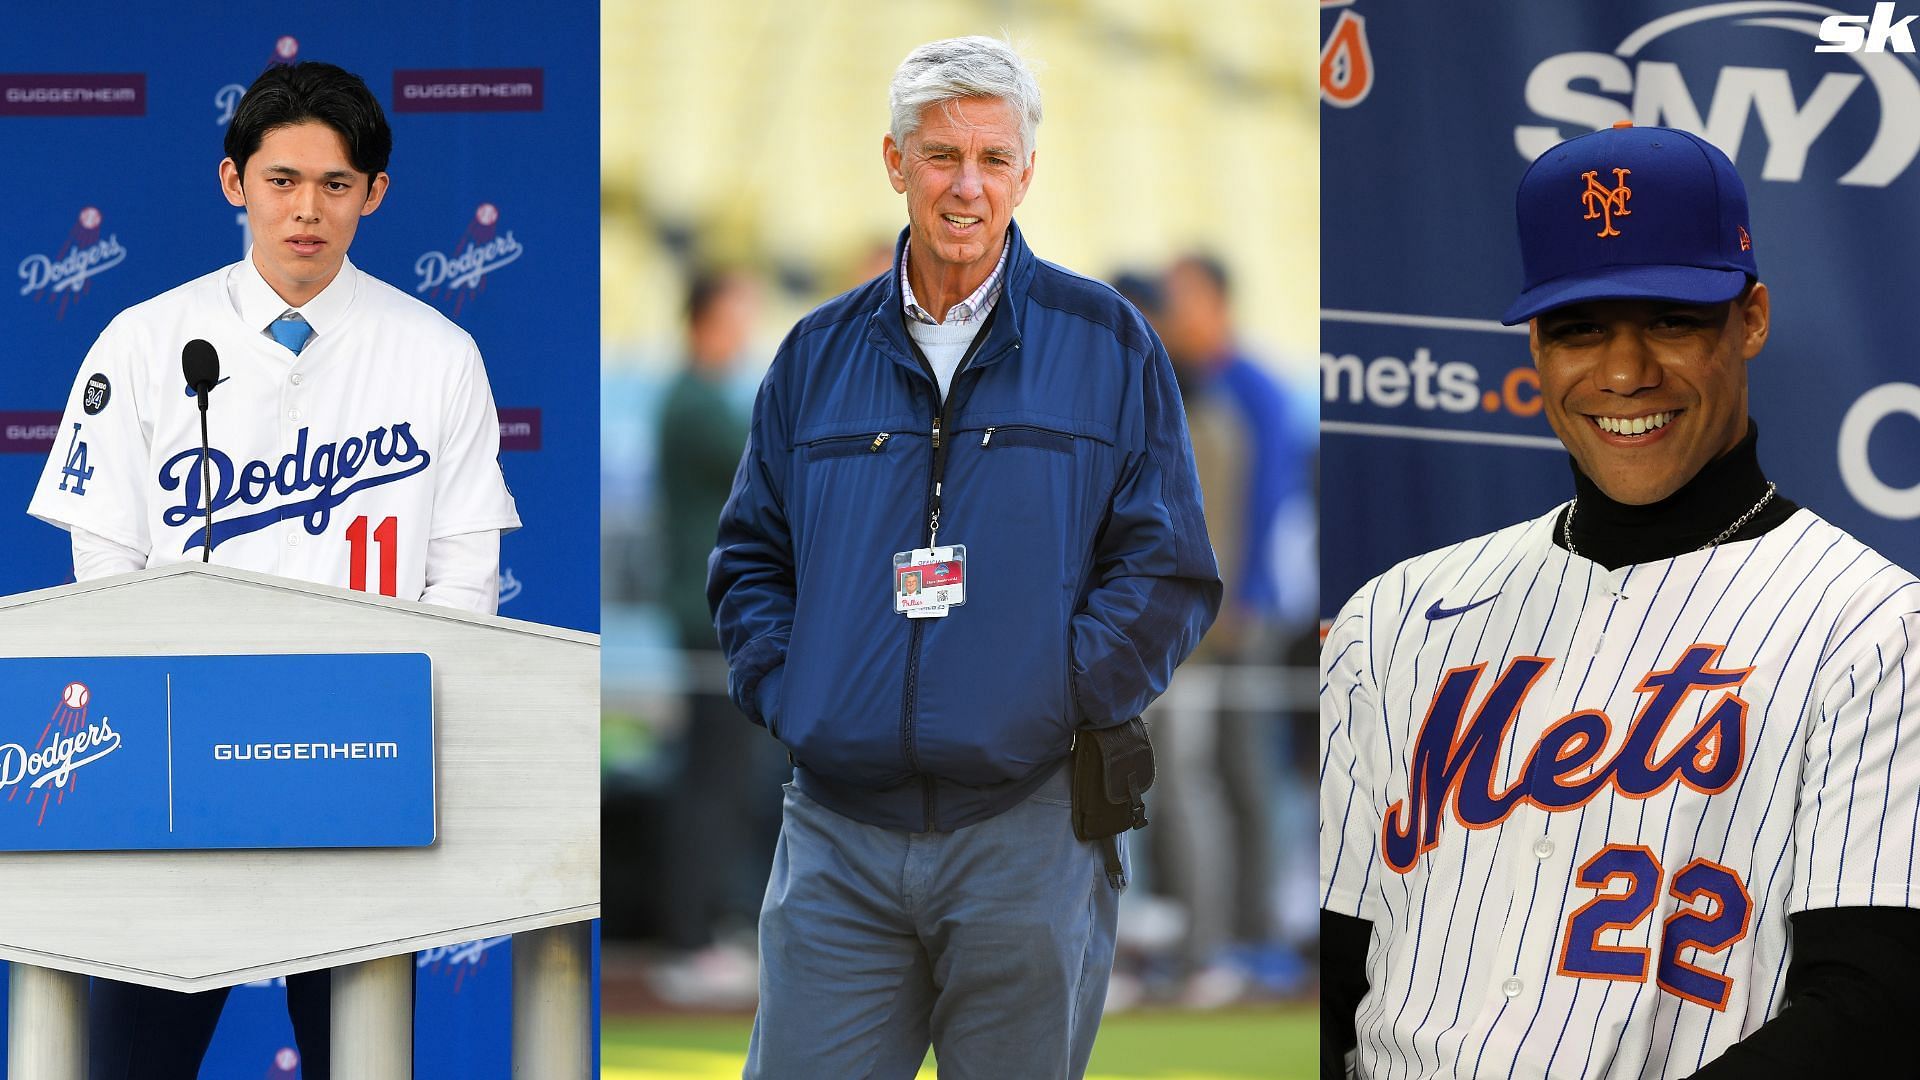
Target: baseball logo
90, 218
286, 1059
286, 48
75, 696
487, 214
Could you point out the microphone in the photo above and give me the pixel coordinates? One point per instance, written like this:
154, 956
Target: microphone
200, 363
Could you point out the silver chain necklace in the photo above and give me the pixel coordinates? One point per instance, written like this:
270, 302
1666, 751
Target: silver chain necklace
1566, 526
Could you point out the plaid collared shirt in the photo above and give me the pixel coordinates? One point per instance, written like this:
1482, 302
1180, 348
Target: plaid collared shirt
973, 309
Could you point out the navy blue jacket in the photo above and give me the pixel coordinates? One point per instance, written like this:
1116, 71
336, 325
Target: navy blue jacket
1067, 475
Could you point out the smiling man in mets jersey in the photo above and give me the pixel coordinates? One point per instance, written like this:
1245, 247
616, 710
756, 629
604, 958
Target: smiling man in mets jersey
1629, 789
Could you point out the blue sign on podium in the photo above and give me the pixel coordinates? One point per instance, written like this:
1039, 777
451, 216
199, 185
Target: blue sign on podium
164, 752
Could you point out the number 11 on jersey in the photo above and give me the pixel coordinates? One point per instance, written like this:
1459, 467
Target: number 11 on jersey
387, 537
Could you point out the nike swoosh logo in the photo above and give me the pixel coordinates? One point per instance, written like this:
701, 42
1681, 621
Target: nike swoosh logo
190, 392
1438, 612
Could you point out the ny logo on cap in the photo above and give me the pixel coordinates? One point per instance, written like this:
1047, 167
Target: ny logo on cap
1603, 203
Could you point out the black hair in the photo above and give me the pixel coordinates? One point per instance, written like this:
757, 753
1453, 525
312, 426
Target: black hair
287, 94
708, 285
1210, 267
1141, 290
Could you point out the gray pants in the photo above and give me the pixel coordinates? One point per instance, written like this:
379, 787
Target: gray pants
1212, 817
993, 942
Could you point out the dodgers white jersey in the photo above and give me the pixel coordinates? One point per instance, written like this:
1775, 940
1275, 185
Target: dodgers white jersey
1578, 805
337, 465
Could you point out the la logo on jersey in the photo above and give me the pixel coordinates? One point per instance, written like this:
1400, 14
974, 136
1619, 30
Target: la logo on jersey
332, 471
1456, 759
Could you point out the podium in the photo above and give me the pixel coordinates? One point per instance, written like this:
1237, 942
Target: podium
516, 849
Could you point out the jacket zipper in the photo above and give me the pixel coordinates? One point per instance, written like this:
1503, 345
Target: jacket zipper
942, 421
936, 470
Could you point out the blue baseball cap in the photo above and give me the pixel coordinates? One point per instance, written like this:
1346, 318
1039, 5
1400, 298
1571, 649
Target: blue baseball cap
1631, 213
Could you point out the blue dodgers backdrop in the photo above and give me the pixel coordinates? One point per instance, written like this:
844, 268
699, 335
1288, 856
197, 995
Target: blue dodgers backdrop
112, 115
1431, 414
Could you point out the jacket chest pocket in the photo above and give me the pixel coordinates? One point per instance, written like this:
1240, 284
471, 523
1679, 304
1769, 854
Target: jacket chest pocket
836, 446
1043, 477
1011, 436
857, 484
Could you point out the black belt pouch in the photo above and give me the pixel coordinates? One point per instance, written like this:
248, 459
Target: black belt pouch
1112, 769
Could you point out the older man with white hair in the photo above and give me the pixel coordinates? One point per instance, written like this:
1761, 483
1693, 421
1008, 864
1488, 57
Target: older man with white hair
1007, 436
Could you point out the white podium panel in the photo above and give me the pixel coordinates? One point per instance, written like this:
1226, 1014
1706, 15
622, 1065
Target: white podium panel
517, 776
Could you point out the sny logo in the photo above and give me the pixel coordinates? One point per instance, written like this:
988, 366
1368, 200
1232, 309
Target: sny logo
1862, 33
1455, 763
1603, 203
1796, 107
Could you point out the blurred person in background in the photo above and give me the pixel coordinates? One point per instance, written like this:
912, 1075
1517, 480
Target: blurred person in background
721, 834
928, 886
1219, 750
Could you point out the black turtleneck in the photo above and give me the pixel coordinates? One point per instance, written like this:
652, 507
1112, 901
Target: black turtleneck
1850, 990
1616, 534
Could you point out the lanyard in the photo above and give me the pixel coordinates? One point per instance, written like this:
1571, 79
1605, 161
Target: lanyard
943, 419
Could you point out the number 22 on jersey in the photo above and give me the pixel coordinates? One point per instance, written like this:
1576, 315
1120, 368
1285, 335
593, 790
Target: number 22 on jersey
1638, 870
386, 537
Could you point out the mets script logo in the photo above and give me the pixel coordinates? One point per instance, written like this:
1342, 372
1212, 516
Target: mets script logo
1603, 203
328, 475
68, 742
1455, 760
286, 49
66, 274
461, 273
1808, 107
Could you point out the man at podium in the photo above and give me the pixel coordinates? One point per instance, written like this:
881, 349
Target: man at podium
350, 440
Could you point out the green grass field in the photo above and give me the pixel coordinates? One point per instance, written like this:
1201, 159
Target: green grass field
1263, 1044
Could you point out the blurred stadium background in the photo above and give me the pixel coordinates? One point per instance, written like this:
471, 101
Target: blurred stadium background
741, 139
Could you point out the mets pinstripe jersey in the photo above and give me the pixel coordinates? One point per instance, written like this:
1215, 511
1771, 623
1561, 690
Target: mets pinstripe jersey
1579, 804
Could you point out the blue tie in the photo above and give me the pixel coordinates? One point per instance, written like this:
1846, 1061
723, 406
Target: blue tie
291, 332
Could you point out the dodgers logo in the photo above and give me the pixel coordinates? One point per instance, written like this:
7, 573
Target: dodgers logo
69, 271
1603, 203
68, 743
461, 273
332, 472
1455, 760
461, 960
1575, 92
286, 49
